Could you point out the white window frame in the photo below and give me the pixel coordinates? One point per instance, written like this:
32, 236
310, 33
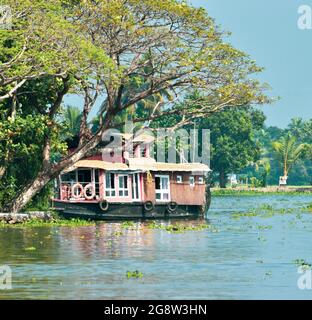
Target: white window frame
123, 189
163, 191
133, 186
201, 180
192, 184
179, 179
109, 189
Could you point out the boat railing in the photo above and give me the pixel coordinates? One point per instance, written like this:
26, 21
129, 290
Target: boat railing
79, 191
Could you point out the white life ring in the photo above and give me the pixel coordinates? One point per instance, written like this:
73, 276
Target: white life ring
74, 187
88, 187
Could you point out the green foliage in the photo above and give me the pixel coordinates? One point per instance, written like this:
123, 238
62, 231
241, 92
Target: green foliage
134, 274
255, 183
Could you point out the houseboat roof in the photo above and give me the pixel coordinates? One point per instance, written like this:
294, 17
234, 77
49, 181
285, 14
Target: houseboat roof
99, 164
147, 164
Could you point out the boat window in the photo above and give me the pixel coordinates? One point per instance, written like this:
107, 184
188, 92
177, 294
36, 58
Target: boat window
69, 177
157, 182
84, 176
162, 188
135, 183
179, 179
123, 186
110, 185
192, 181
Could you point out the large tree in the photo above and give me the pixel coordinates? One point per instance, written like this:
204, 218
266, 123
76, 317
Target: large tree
233, 145
98, 48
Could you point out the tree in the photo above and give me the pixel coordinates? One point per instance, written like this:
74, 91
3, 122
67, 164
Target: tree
233, 146
72, 117
288, 152
98, 48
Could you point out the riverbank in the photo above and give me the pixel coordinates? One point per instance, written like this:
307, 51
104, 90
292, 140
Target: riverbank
245, 191
39, 219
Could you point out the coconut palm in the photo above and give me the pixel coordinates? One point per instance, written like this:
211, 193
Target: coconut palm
288, 152
72, 117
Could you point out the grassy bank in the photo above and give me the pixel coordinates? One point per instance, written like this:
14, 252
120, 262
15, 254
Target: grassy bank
55, 222
261, 191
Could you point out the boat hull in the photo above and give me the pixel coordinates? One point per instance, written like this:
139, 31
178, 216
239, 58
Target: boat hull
124, 211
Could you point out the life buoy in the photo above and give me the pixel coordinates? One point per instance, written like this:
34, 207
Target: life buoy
73, 191
172, 207
148, 206
104, 205
89, 187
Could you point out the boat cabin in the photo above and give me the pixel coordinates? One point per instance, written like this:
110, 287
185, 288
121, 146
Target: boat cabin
138, 181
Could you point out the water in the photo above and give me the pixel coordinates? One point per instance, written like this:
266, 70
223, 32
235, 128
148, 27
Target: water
248, 258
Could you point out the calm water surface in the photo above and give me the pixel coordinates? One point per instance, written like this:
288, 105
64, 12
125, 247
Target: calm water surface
248, 258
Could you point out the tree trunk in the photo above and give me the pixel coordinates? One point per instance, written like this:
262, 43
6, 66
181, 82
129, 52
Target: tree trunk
2, 171
49, 173
222, 179
28, 192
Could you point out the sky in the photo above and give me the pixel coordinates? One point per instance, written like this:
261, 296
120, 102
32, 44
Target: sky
268, 31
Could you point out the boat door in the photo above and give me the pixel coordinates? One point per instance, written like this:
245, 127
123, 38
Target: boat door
162, 188
135, 182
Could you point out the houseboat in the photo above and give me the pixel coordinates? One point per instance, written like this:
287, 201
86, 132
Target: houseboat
136, 187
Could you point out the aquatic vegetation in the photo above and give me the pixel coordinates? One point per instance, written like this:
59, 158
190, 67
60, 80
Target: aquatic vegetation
117, 233
52, 223
241, 215
267, 211
309, 207
303, 263
134, 274
266, 207
181, 228
265, 227
128, 225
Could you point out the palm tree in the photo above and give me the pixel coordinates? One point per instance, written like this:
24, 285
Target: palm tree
72, 117
288, 152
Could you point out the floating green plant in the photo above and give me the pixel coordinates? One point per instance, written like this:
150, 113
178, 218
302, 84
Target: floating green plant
302, 263
117, 233
265, 227
128, 225
181, 228
134, 274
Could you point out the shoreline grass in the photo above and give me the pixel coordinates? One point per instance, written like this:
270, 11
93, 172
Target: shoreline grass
261, 191
55, 222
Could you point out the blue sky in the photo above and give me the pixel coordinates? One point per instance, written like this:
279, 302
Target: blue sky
267, 30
